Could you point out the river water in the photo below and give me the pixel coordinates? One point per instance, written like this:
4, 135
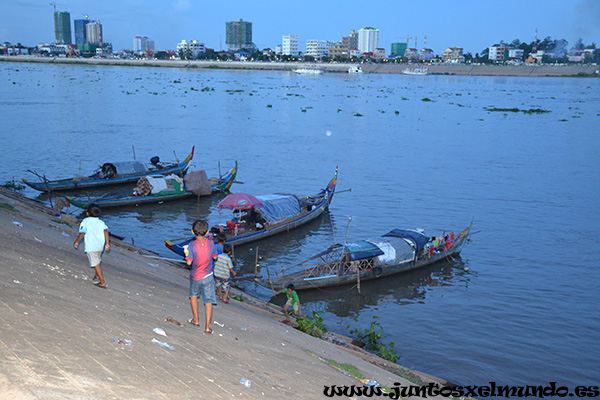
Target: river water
520, 307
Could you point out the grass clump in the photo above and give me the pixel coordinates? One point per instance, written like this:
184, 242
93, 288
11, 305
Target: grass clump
8, 207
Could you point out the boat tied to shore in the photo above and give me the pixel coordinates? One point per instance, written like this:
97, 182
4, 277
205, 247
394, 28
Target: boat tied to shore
113, 173
258, 217
395, 252
158, 189
355, 69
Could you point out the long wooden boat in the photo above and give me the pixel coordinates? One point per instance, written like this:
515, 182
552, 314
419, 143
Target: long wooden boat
114, 173
395, 252
174, 192
276, 213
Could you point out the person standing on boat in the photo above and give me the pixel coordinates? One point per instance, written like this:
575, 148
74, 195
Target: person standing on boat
200, 255
95, 234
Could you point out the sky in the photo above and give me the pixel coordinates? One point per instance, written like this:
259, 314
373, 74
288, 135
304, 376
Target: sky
471, 24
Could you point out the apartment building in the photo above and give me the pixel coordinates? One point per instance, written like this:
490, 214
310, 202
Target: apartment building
290, 45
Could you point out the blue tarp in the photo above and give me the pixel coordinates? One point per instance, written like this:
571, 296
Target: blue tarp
363, 249
417, 238
278, 207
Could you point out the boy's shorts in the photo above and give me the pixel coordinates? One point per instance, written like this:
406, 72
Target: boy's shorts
294, 307
95, 258
205, 287
222, 284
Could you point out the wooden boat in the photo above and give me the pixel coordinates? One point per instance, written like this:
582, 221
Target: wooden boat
269, 215
395, 252
174, 189
114, 173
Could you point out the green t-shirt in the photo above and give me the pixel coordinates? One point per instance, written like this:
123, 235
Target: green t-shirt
293, 297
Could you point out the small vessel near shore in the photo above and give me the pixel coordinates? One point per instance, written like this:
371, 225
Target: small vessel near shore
395, 252
113, 173
258, 217
355, 69
307, 71
417, 71
158, 189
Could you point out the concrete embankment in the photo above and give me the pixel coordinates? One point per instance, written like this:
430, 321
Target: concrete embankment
383, 68
61, 337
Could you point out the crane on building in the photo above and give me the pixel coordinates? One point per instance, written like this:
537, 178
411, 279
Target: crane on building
55, 4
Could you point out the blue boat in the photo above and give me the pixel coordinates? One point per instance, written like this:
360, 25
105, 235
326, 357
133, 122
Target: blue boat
267, 216
113, 173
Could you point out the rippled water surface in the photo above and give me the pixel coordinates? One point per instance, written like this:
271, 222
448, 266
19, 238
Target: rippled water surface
520, 307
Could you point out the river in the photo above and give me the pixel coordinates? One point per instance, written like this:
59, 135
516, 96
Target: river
520, 306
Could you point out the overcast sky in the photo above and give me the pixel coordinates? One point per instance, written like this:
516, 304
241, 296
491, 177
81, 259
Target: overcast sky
471, 24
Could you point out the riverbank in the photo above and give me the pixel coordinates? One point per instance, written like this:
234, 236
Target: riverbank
546, 70
62, 337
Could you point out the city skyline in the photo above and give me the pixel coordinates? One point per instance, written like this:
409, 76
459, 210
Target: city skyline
468, 24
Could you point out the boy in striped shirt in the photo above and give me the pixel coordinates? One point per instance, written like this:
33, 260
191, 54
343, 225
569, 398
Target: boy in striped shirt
223, 266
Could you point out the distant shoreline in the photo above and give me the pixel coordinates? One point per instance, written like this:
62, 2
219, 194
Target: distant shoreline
546, 70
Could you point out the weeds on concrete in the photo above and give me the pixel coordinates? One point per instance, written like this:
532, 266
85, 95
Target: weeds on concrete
8, 207
371, 337
12, 185
313, 327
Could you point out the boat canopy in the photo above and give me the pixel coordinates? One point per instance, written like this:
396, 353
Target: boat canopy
394, 250
417, 238
130, 167
278, 207
362, 249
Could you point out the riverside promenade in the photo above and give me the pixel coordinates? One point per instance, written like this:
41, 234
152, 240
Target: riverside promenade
61, 337
528, 70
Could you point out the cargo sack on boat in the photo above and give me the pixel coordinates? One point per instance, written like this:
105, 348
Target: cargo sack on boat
143, 187
197, 183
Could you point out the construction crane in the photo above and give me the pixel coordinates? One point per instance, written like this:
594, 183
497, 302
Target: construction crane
55, 4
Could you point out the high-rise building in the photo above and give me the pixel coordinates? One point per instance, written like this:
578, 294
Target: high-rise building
398, 49
238, 35
142, 43
62, 27
317, 48
80, 34
368, 40
93, 32
290, 45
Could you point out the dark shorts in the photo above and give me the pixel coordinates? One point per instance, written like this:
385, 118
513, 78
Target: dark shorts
205, 287
222, 284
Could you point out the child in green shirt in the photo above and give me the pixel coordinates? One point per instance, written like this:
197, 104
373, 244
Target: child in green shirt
292, 300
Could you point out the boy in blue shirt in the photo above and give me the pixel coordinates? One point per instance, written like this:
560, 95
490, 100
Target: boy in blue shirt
95, 232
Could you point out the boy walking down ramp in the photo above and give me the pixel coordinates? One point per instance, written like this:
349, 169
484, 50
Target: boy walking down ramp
95, 234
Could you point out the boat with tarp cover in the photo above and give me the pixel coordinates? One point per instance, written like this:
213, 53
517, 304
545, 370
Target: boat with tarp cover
158, 189
258, 217
395, 252
113, 173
